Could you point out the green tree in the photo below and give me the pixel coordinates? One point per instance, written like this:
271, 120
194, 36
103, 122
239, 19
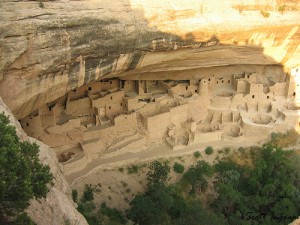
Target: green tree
23, 177
159, 172
144, 211
268, 186
197, 176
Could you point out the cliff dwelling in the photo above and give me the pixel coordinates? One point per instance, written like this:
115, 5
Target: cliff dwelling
117, 115
108, 87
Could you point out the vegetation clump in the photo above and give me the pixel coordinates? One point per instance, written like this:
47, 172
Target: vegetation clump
209, 150
229, 192
23, 177
264, 13
178, 168
282, 8
132, 169
282, 140
197, 154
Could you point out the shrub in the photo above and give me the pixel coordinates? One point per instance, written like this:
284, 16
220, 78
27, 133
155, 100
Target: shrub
74, 195
178, 168
113, 214
23, 219
159, 172
88, 194
241, 150
287, 139
227, 150
264, 13
282, 8
197, 154
132, 169
209, 150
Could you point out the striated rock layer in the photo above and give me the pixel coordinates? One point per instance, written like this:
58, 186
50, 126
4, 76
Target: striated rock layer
45, 52
58, 207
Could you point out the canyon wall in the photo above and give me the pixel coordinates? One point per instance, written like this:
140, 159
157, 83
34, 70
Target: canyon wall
45, 52
58, 207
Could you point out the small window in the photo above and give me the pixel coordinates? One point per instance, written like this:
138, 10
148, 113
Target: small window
268, 97
110, 82
209, 79
74, 90
109, 107
217, 82
186, 87
252, 96
195, 91
111, 97
228, 81
222, 81
27, 124
121, 104
89, 88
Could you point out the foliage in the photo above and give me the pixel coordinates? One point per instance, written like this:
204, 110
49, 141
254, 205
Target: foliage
270, 187
112, 214
178, 168
102, 216
227, 150
163, 204
133, 169
196, 176
265, 191
74, 195
197, 154
23, 219
209, 150
264, 13
282, 8
88, 194
23, 177
159, 172
287, 139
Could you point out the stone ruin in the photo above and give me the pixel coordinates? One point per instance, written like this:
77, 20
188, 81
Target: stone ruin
114, 115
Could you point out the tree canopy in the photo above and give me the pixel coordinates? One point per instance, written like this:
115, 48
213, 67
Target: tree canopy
23, 177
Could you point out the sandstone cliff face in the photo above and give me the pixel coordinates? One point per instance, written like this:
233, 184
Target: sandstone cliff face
46, 52
58, 207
